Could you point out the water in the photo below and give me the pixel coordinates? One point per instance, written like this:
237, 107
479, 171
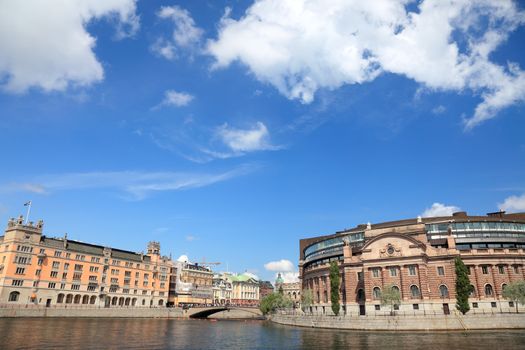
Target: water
62, 333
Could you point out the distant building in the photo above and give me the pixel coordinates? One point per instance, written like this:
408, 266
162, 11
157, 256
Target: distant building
265, 288
245, 290
39, 270
290, 289
416, 256
222, 289
193, 283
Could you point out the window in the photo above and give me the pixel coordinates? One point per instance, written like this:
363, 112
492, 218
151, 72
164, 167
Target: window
38, 272
56, 264
414, 291
20, 270
91, 288
114, 271
113, 289
13, 296
35, 283
68, 255
145, 292
77, 276
472, 291
125, 291
58, 253
136, 275
376, 293
62, 286
469, 270
78, 267
488, 290
501, 269
54, 274
17, 283
75, 287
377, 307
40, 261
443, 291
493, 304
393, 271
503, 286
93, 269
64, 275
516, 269
92, 278
485, 270
412, 270
66, 266
511, 304
146, 276
396, 306
441, 271
51, 285
474, 305
415, 306
127, 273
359, 276
42, 251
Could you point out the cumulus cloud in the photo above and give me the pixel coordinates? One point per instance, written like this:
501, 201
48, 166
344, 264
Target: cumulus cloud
513, 204
303, 46
174, 98
136, 185
45, 44
289, 277
282, 265
439, 209
255, 138
186, 35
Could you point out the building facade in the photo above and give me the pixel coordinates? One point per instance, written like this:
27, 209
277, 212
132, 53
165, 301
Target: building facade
265, 288
417, 256
245, 290
35, 269
193, 284
222, 289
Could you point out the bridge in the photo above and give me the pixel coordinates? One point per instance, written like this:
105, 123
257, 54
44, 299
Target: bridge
237, 311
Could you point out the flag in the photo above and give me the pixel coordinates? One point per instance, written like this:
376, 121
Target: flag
26, 204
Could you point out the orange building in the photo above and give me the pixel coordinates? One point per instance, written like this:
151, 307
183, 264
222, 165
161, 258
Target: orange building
35, 269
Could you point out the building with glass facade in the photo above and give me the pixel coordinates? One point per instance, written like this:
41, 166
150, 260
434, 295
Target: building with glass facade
416, 256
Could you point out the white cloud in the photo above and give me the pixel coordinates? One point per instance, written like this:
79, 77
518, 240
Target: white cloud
186, 35
45, 44
174, 98
246, 140
282, 265
438, 209
136, 185
303, 46
513, 204
439, 109
289, 277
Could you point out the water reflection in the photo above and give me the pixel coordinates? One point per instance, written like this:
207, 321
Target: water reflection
55, 333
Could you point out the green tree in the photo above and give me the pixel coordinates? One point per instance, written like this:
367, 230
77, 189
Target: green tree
281, 291
335, 282
390, 296
307, 298
463, 286
515, 291
274, 301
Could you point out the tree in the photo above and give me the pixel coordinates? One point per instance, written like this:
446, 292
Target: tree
463, 286
281, 291
274, 301
515, 291
307, 298
334, 286
390, 296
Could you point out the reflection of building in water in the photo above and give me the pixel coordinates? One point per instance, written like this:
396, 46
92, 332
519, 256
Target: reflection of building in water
193, 283
35, 269
290, 289
417, 257
222, 289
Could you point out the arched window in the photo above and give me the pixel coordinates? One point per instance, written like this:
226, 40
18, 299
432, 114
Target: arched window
488, 290
60, 298
503, 286
443, 291
77, 299
395, 289
143, 302
414, 291
13, 296
114, 301
85, 299
93, 299
161, 302
128, 300
69, 298
472, 291
376, 293
133, 301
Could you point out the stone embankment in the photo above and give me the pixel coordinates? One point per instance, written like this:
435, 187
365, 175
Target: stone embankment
405, 323
93, 312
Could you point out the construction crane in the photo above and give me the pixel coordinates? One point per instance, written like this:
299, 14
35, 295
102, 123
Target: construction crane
206, 263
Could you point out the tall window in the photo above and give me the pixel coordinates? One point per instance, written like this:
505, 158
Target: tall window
441, 270
443, 291
13, 296
393, 271
485, 270
501, 269
414, 291
412, 270
376, 292
375, 272
488, 290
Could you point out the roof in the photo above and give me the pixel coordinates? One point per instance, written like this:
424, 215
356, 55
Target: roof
243, 278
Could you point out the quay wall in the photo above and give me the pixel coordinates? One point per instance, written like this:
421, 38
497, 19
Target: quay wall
93, 312
405, 323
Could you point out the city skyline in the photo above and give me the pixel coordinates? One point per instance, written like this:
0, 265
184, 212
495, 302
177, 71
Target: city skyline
228, 131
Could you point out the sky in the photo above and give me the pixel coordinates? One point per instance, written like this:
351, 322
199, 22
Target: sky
229, 130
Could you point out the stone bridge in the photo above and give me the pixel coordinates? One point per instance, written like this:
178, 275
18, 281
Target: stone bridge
236, 312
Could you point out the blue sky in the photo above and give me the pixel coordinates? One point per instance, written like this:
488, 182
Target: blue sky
228, 130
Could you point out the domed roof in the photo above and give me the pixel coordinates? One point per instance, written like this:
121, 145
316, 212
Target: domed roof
183, 258
279, 279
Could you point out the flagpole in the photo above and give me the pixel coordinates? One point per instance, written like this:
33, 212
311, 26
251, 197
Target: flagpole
28, 211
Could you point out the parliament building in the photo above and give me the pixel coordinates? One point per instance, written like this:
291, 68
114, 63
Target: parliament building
417, 256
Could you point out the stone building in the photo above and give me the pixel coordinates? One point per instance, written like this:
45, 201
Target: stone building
245, 290
417, 257
193, 283
222, 289
265, 288
36, 269
290, 289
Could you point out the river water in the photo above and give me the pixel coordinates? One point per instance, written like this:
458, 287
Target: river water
81, 333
